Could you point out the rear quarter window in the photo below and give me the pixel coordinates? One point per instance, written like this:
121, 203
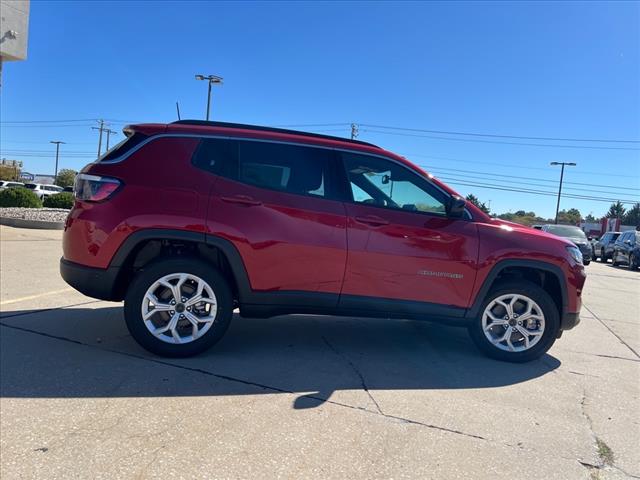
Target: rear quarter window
124, 147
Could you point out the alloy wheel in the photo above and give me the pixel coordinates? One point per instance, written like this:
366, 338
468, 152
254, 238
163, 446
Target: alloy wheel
179, 308
513, 322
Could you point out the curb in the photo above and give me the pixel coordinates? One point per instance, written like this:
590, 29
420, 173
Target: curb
37, 224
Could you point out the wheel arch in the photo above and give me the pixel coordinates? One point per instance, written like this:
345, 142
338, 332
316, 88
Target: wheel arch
143, 246
548, 276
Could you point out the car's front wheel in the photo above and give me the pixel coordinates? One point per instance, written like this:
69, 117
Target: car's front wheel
518, 322
178, 307
614, 256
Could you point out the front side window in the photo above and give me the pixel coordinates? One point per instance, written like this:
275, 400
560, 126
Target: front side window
379, 182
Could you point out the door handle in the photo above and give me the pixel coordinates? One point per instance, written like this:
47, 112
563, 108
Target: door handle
372, 220
241, 200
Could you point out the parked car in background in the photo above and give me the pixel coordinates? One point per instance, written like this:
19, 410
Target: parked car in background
10, 184
603, 248
190, 220
43, 191
626, 250
575, 235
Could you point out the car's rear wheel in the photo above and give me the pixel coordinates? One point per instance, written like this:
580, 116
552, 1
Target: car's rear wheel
518, 322
634, 262
178, 307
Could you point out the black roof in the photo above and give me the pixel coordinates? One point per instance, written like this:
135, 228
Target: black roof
270, 129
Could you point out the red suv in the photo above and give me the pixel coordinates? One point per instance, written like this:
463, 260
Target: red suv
188, 221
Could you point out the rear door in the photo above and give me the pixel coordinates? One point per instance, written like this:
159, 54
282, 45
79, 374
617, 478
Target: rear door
402, 247
277, 203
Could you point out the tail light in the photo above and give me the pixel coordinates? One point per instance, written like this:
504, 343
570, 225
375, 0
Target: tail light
94, 188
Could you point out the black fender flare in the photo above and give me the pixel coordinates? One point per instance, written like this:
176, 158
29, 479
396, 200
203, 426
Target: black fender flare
227, 248
474, 310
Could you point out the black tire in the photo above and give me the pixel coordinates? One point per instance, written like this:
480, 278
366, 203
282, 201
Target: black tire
587, 262
603, 257
551, 317
633, 262
153, 272
613, 259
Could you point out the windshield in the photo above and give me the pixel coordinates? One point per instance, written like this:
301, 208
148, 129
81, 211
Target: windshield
566, 231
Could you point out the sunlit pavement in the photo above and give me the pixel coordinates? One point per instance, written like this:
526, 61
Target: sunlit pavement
307, 396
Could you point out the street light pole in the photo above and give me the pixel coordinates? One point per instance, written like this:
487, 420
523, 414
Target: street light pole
212, 79
569, 164
57, 142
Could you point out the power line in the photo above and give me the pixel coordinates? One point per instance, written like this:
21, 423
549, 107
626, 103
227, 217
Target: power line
492, 135
47, 121
475, 162
433, 168
537, 192
547, 145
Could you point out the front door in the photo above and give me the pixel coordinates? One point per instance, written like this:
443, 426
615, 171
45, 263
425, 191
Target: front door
403, 249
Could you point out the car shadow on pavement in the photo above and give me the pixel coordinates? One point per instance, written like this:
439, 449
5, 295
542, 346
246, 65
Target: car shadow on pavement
87, 352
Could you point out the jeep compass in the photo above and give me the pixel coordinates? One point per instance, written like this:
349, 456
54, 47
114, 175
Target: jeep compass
189, 220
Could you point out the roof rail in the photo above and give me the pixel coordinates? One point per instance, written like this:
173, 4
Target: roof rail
269, 129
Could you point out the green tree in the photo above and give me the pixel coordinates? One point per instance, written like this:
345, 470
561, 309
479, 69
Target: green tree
616, 210
523, 218
632, 217
66, 177
471, 198
590, 219
571, 216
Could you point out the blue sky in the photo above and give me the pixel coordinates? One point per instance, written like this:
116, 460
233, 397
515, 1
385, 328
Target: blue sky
560, 70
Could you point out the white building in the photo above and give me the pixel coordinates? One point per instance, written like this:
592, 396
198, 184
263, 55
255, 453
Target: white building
14, 30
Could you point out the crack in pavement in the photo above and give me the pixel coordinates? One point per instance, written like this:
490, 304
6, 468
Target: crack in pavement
612, 332
604, 454
245, 382
356, 371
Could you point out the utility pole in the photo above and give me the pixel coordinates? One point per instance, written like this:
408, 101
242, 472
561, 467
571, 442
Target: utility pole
102, 129
212, 79
57, 143
354, 131
109, 132
568, 164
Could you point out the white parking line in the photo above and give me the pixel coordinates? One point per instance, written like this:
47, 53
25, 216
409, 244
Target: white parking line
33, 297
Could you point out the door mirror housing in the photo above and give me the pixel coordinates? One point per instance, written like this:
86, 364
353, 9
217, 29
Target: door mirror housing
455, 207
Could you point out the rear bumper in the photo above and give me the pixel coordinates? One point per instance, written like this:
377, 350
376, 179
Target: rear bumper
94, 282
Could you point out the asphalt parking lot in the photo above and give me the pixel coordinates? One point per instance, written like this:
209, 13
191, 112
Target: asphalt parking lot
307, 396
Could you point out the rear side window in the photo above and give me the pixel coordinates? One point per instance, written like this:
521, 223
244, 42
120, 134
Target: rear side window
290, 168
218, 156
275, 166
31, 186
124, 146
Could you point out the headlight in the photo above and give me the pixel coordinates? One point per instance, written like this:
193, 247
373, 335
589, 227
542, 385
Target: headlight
575, 253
